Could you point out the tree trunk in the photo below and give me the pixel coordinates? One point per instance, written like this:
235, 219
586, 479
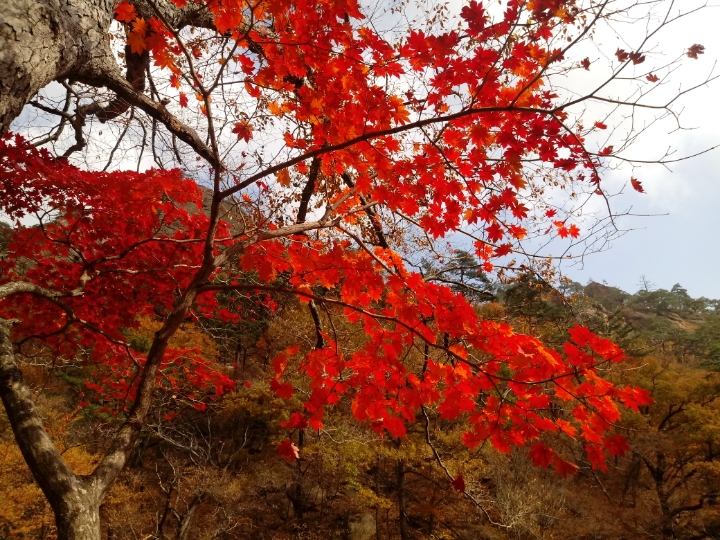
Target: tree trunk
49, 40
668, 531
46, 40
657, 471
402, 504
74, 500
79, 519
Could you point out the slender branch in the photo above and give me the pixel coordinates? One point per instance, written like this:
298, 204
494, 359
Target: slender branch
370, 211
319, 340
308, 190
439, 460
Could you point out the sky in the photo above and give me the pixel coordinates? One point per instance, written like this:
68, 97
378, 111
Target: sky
679, 239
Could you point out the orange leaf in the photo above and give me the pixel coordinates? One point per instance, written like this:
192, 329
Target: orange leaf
459, 351
136, 42
283, 178
243, 130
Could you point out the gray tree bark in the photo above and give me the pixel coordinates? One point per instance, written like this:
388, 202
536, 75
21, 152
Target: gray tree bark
74, 499
46, 40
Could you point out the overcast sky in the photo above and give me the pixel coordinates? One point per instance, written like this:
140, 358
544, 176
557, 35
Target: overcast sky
682, 246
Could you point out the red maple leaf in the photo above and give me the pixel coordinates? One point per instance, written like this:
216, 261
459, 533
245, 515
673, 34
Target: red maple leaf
637, 58
616, 445
125, 12
288, 450
541, 455
395, 426
459, 483
494, 232
564, 468
596, 456
637, 186
474, 15
283, 390
622, 55
296, 421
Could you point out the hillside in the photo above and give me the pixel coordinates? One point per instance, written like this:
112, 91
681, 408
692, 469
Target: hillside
686, 327
214, 473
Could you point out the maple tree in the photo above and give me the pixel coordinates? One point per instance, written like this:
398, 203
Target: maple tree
376, 148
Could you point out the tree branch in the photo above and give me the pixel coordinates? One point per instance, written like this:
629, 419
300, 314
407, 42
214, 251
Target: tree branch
108, 75
308, 190
137, 64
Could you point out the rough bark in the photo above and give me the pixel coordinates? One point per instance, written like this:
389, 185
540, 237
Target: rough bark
74, 499
137, 64
80, 520
45, 40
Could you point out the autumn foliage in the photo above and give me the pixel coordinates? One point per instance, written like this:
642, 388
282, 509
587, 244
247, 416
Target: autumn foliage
376, 143
118, 245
